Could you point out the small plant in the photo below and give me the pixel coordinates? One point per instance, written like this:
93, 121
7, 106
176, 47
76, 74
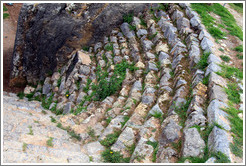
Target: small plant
85, 48
139, 157
134, 101
110, 156
24, 146
109, 47
171, 74
142, 22
205, 80
239, 48
46, 104
49, 142
30, 130
228, 72
110, 139
5, 15
52, 119
91, 158
59, 125
158, 115
91, 133
225, 58
233, 92
132, 27
21, 95
67, 94
202, 64
126, 118
74, 135
36, 121
152, 36
59, 82
87, 86
128, 18
44, 112
239, 56
155, 147
108, 120
5, 8
221, 49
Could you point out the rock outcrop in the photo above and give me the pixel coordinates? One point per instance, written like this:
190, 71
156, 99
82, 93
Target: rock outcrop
48, 33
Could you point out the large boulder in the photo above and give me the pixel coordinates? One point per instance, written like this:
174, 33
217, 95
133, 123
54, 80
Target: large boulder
48, 33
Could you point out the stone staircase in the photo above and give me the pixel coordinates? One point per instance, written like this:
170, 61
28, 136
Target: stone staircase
156, 116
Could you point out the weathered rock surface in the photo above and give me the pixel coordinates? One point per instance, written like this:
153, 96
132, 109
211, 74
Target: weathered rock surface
47, 34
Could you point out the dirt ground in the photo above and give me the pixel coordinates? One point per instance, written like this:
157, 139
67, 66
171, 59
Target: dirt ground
9, 31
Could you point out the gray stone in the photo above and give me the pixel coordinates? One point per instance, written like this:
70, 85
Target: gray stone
152, 66
193, 143
180, 82
72, 97
163, 56
195, 53
164, 80
113, 39
217, 92
155, 109
149, 55
213, 58
67, 108
219, 141
161, 14
117, 59
102, 63
147, 45
177, 15
195, 21
170, 133
136, 21
196, 118
184, 5
183, 23
212, 67
165, 155
215, 79
46, 88
203, 34
148, 96
211, 160
176, 61
190, 13
85, 70
126, 30
141, 32
94, 149
152, 30
97, 46
217, 115
207, 45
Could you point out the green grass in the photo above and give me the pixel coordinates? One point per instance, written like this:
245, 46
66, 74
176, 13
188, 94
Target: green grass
232, 91
5, 8
152, 36
21, 95
44, 112
74, 135
229, 71
108, 120
49, 142
110, 156
216, 32
126, 118
30, 130
155, 147
59, 82
202, 64
30, 96
52, 119
91, 132
87, 86
239, 56
205, 80
24, 146
5, 15
86, 48
227, 18
158, 115
128, 18
239, 48
46, 104
110, 139
225, 58
103, 87
221, 49
237, 6
109, 47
